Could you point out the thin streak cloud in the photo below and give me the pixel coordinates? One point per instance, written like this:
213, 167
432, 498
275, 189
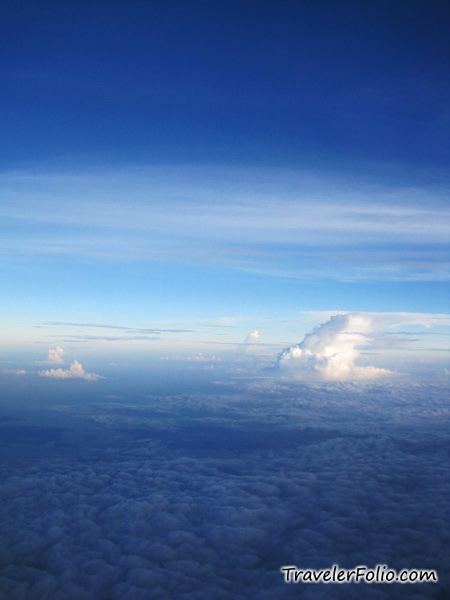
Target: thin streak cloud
111, 338
278, 223
295, 207
142, 330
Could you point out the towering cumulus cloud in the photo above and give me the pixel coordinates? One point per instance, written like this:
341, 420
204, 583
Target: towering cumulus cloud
55, 356
330, 351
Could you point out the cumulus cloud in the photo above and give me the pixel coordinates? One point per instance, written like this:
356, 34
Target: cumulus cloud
250, 343
55, 357
252, 337
75, 371
330, 351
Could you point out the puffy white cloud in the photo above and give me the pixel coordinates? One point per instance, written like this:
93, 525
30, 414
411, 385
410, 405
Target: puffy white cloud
252, 337
331, 350
14, 371
75, 371
250, 345
55, 357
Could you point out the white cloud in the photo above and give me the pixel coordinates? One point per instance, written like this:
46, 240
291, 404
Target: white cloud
251, 342
14, 371
252, 337
276, 222
393, 319
331, 350
293, 204
55, 357
75, 371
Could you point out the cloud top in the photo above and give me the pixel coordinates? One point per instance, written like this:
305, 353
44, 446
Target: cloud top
76, 371
331, 351
252, 337
55, 356
251, 344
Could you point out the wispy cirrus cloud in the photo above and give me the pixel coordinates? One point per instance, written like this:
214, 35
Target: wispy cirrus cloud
277, 223
286, 207
137, 330
119, 333
110, 338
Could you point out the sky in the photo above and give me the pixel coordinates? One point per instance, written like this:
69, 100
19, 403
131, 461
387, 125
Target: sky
224, 297
170, 165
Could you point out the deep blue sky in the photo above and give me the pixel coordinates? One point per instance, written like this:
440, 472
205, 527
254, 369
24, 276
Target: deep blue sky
236, 82
171, 162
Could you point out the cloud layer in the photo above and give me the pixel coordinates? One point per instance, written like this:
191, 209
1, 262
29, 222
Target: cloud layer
198, 497
330, 352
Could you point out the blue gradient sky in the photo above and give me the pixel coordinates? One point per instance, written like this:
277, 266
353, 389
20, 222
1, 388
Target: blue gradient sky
210, 169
